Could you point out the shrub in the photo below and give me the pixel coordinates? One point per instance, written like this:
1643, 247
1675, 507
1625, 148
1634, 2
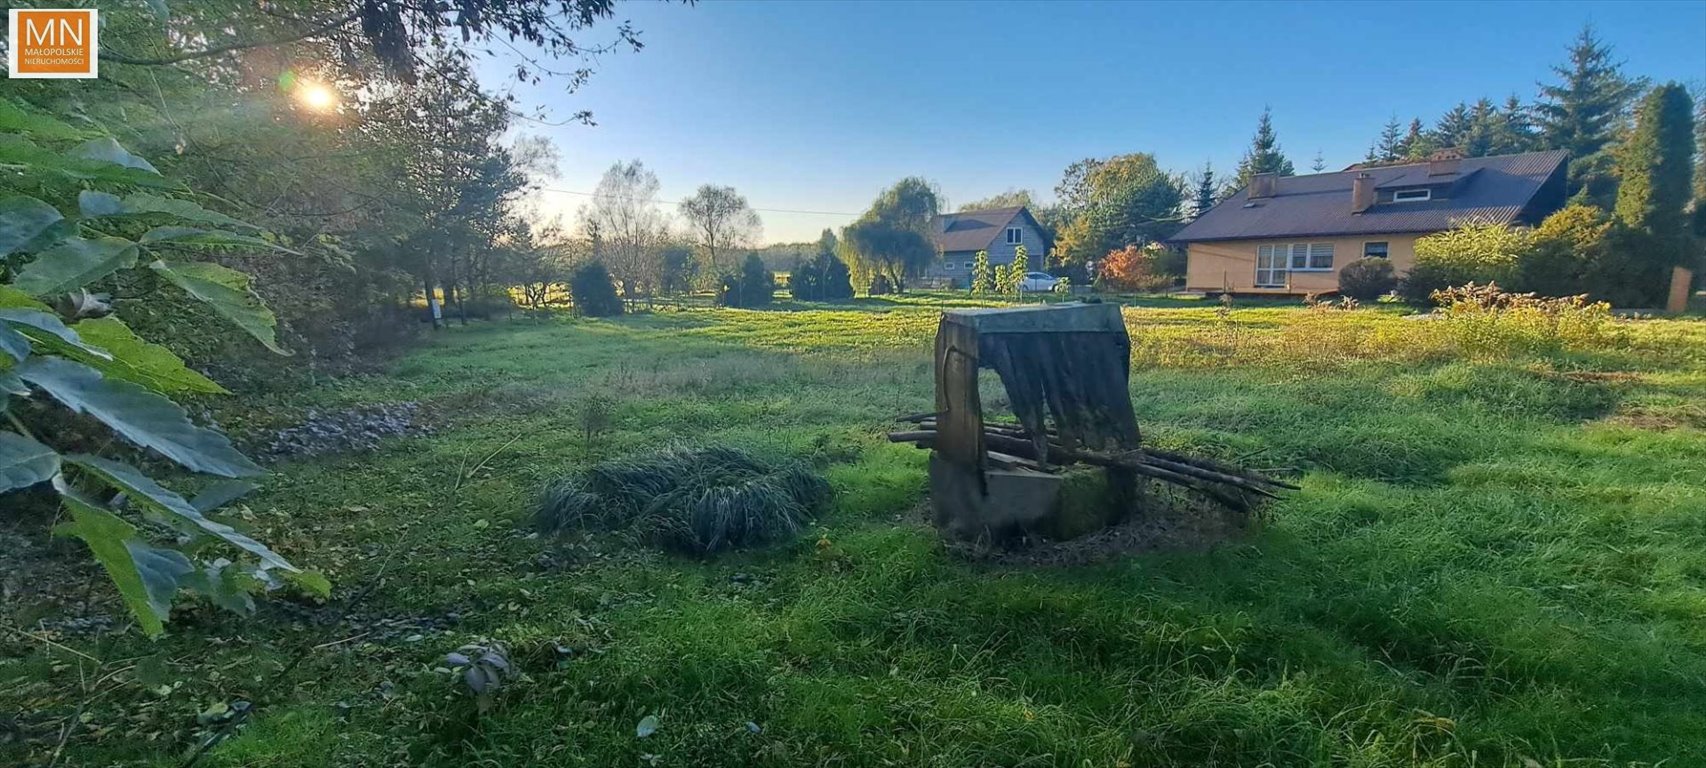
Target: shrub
1483, 321
821, 278
1470, 253
753, 286
880, 285
1133, 268
1566, 249
695, 501
1367, 279
982, 277
593, 292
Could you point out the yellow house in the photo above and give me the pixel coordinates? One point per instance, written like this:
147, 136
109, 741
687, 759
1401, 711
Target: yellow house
1291, 234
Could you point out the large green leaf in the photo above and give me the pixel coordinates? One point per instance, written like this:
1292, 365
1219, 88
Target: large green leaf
13, 343
107, 150
47, 326
140, 416
14, 118
17, 150
213, 237
146, 577
93, 204
142, 203
137, 360
25, 462
21, 219
12, 297
227, 292
74, 263
143, 490
221, 493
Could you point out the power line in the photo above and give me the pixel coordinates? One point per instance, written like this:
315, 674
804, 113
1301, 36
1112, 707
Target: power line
678, 202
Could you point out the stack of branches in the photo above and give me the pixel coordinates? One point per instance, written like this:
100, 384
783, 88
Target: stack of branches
694, 500
1011, 445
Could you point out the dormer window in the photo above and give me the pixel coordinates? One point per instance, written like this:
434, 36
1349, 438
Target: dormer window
1014, 235
1412, 195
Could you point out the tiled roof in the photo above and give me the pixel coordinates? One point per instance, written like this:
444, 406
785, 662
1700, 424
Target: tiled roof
1496, 189
971, 230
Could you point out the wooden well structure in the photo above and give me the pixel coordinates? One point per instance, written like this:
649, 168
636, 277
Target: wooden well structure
1066, 369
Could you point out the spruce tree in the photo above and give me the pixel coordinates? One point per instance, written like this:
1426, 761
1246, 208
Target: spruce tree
1264, 155
1417, 144
1319, 164
1452, 130
1581, 113
1515, 130
1390, 146
1205, 190
1484, 124
1655, 164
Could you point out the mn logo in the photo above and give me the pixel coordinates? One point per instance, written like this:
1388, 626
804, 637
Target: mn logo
53, 43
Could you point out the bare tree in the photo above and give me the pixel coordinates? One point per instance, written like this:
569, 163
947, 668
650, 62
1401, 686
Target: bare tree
626, 226
720, 220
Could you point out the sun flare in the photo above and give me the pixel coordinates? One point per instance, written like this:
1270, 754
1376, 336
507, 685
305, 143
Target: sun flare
316, 96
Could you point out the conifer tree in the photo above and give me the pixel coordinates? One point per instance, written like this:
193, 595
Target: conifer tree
1264, 155
1582, 111
1390, 145
1205, 190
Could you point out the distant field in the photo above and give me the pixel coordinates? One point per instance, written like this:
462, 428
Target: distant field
1498, 558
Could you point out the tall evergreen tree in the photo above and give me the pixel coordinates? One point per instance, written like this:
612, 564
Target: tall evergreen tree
1417, 143
1655, 165
1390, 146
1453, 127
1514, 131
1319, 164
1484, 124
1264, 155
1205, 190
1581, 113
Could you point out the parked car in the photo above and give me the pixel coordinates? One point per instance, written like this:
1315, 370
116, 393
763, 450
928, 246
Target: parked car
1039, 281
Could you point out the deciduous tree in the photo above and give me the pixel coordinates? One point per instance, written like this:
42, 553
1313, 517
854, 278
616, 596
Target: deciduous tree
721, 221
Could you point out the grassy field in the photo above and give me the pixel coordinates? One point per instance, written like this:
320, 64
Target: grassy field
1498, 558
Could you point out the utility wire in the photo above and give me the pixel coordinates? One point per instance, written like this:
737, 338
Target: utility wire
678, 202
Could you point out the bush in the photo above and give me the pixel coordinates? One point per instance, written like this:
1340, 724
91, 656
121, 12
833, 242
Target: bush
880, 285
1469, 253
1133, 269
695, 501
1566, 249
593, 292
1483, 321
753, 286
1367, 279
822, 278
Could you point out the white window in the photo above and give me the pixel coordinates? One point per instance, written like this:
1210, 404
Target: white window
950, 266
1412, 195
971, 266
1015, 235
1375, 250
1270, 266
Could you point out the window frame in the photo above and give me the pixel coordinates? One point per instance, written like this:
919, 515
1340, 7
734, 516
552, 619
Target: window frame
1015, 235
1278, 276
1426, 195
1385, 249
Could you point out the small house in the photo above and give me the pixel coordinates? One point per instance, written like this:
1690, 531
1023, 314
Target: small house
1000, 231
1291, 234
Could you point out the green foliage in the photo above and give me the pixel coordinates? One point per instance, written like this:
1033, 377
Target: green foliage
822, 278
892, 238
1129, 200
1571, 255
1581, 111
1470, 253
593, 292
1485, 323
696, 501
1012, 276
1655, 166
752, 286
1367, 279
1264, 155
97, 367
982, 277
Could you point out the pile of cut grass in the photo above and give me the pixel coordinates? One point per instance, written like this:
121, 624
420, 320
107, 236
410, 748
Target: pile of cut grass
693, 500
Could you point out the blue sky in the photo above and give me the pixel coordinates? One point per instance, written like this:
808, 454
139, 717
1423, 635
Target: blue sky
816, 106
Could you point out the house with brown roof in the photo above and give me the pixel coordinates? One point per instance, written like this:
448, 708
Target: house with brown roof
1291, 234
1000, 231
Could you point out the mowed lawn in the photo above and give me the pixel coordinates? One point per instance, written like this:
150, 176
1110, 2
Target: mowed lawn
1496, 559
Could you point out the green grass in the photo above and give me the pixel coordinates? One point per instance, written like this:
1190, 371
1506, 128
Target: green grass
1493, 562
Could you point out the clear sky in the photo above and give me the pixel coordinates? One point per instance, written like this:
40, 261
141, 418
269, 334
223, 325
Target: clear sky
816, 106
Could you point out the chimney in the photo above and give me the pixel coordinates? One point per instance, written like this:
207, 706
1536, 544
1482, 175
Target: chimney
1264, 185
1362, 192
1444, 162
